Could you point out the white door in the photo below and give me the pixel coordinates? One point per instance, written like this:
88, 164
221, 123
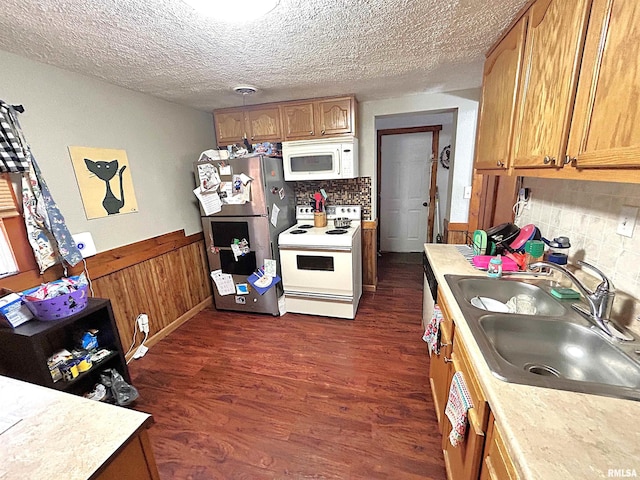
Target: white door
405, 181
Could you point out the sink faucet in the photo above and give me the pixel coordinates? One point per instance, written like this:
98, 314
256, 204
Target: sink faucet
600, 300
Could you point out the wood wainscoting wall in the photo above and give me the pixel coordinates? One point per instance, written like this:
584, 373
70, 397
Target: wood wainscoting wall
455, 233
165, 277
369, 255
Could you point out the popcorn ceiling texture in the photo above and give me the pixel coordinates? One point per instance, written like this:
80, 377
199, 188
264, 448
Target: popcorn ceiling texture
352, 191
587, 213
302, 49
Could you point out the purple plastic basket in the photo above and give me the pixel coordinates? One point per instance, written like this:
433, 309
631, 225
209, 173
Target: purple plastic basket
59, 307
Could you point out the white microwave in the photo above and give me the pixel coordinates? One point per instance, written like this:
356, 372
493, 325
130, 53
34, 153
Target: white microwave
325, 159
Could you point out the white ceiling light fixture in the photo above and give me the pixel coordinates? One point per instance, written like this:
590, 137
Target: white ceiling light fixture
233, 11
245, 90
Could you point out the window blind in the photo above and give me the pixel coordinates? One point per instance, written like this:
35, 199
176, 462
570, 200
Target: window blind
7, 200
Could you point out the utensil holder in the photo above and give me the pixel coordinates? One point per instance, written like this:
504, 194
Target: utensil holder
320, 219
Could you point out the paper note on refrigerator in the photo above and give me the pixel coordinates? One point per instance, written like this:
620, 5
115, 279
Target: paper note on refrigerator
224, 282
270, 267
208, 175
210, 201
274, 215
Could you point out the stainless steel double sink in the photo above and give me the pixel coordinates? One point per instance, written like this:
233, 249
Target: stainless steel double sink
554, 348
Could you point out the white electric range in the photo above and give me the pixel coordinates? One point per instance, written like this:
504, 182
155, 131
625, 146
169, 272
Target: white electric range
322, 266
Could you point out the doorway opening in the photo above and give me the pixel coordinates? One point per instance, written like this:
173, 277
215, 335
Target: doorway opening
407, 164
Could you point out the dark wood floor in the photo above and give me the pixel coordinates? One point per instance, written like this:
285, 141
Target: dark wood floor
238, 396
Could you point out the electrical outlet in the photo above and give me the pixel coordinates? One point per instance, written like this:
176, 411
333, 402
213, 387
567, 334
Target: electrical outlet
627, 221
143, 321
467, 192
84, 242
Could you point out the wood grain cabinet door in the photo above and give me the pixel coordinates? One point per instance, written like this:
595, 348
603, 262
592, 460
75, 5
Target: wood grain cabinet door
553, 50
440, 373
497, 464
606, 122
230, 126
499, 92
335, 116
464, 461
298, 121
264, 124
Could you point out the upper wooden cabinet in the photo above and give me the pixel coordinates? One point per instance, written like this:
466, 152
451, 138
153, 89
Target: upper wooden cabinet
337, 116
606, 123
498, 104
577, 113
319, 118
553, 49
230, 126
296, 120
256, 124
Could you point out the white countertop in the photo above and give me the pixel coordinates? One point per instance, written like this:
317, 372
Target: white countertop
46, 434
550, 434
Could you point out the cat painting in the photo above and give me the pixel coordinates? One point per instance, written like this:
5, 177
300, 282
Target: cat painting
106, 171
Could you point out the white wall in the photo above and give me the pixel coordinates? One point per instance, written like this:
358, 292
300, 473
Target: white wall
463, 103
161, 140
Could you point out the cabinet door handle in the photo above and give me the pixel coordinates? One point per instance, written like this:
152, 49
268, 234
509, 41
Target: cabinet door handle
447, 360
568, 159
499, 163
322, 132
548, 160
311, 132
442, 345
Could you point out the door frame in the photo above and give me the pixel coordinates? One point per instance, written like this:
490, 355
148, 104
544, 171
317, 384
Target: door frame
435, 130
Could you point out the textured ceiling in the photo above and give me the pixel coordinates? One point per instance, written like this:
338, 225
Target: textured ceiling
303, 48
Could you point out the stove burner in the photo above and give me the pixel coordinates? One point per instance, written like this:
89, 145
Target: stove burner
305, 226
336, 232
297, 231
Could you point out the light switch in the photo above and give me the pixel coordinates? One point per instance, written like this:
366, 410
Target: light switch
627, 220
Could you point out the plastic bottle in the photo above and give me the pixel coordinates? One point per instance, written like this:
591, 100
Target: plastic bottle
558, 279
534, 251
494, 269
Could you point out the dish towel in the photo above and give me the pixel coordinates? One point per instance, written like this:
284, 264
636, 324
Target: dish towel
432, 332
457, 407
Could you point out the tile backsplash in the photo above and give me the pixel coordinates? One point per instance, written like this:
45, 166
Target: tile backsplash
587, 213
353, 191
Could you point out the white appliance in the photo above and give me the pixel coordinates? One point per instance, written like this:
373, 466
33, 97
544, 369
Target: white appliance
324, 159
322, 266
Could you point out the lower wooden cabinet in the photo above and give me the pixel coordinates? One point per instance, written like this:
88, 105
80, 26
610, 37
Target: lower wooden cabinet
441, 367
497, 464
464, 461
134, 462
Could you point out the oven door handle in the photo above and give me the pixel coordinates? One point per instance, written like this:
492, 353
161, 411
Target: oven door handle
315, 248
319, 296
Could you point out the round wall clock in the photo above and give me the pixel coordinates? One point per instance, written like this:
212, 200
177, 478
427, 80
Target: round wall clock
445, 155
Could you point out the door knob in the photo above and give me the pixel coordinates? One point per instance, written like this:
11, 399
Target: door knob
425, 204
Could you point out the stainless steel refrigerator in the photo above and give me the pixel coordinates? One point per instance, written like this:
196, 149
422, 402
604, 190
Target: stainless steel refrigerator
252, 221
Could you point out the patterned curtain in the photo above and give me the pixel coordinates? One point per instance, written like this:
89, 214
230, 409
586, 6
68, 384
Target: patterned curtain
48, 234
12, 156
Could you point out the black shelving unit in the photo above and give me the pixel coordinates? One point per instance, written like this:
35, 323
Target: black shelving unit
24, 350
